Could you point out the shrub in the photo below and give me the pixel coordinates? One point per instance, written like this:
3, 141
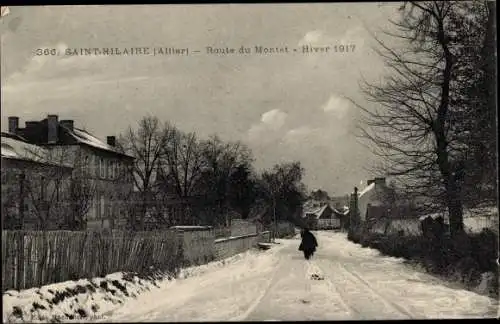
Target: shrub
466, 270
464, 258
484, 250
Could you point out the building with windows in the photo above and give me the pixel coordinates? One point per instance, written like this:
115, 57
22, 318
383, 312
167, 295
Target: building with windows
371, 202
34, 187
101, 164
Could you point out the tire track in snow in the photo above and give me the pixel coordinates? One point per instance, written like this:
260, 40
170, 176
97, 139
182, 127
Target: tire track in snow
334, 289
269, 285
357, 278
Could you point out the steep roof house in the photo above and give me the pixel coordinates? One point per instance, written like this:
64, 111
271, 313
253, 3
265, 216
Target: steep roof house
322, 217
33, 186
101, 163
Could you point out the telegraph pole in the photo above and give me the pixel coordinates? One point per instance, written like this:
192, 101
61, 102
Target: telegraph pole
274, 219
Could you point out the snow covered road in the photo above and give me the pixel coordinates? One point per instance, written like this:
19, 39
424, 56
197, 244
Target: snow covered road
353, 283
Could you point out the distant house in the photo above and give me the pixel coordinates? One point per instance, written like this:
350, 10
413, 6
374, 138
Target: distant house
324, 217
371, 203
34, 187
102, 163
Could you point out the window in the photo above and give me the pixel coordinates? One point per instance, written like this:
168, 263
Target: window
97, 166
101, 168
86, 163
102, 207
42, 187
117, 174
96, 205
109, 209
108, 170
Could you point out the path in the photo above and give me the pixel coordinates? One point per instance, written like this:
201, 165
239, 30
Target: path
354, 283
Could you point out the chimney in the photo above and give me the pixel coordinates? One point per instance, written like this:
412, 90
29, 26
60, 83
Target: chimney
369, 182
13, 124
52, 129
68, 123
111, 140
380, 181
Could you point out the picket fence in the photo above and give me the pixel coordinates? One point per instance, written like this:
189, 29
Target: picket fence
34, 258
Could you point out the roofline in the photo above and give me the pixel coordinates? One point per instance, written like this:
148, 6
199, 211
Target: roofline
37, 162
91, 146
110, 151
15, 137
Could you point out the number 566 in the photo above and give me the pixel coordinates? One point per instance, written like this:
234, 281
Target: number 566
45, 51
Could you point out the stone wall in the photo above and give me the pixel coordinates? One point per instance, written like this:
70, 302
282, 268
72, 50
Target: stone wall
227, 247
198, 246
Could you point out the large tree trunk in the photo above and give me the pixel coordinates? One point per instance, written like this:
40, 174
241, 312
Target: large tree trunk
451, 184
453, 199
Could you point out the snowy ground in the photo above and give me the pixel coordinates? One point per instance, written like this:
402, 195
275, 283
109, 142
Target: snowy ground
342, 281
96, 298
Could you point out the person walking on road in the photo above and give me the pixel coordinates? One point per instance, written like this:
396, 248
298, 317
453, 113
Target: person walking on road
308, 244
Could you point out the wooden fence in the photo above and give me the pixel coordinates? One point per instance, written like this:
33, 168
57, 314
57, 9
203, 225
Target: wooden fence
37, 258
32, 259
327, 224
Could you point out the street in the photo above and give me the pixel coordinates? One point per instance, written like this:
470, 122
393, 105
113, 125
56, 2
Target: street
342, 281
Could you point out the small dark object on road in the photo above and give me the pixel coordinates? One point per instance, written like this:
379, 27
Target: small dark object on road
308, 244
264, 246
316, 276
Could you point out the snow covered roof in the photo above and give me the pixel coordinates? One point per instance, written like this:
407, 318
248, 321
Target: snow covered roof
317, 211
337, 211
187, 227
433, 216
367, 189
85, 137
12, 148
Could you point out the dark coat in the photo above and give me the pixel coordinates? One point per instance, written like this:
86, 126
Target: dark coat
309, 242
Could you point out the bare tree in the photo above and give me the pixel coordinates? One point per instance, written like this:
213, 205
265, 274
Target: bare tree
474, 103
283, 191
222, 160
146, 144
179, 171
57, 186
12, 197
183, 162
46, 185
81, 196
411, 128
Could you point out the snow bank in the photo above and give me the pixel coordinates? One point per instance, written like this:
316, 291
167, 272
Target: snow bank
94, 299
72, 299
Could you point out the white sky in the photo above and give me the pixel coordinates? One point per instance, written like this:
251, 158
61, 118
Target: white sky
283, 106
